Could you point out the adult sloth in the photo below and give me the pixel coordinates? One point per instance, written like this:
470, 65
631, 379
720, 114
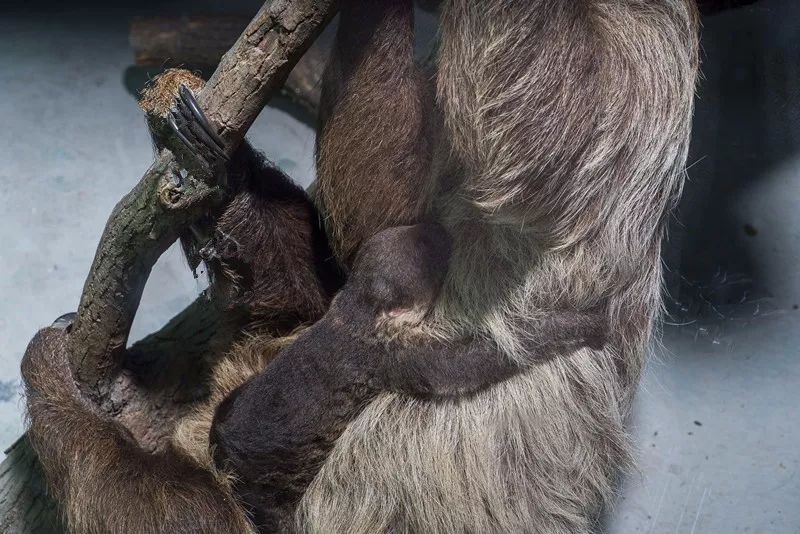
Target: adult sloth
551, 145
563, 132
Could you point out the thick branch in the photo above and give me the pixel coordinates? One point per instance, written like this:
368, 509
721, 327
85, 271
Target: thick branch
168, 372
260, 61
161, 206
141, 227
24, 504
199, 42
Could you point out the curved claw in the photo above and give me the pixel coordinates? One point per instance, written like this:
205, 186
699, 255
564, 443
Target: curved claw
65, 321
208, 131
177, 130
207, 141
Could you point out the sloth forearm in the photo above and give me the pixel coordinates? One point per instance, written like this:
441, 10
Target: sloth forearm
464, 367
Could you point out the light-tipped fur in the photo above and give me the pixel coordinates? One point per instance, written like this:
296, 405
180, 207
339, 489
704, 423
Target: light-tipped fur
568, 124
102, 478
561, 133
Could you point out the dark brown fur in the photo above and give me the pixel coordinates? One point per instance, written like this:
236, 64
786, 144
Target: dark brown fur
275, 432
562, 139
273, 271
268, 257
102, 479
266, 249
375, 136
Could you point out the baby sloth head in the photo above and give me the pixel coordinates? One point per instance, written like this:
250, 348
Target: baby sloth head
397, 273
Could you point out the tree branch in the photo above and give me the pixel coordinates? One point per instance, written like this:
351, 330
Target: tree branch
260, 61
24, 504
199, 42
162, 206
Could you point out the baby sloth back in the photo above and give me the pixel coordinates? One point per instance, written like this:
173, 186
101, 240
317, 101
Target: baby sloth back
275, 432
307, 395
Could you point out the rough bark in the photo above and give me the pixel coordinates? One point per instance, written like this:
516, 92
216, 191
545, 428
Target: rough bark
151, 217
199, 42
25, 506
141, 227
150, 385
166, 373
259, 63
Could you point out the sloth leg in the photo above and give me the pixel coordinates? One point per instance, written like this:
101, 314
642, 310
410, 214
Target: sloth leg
455, 368
103, 480
374, 137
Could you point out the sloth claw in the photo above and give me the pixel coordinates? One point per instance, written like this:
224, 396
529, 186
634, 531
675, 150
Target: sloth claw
187, 97
191, 126
65, 321
177, 131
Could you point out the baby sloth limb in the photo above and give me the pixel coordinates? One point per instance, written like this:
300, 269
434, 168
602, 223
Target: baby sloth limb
275, 432
265, 250
441, 369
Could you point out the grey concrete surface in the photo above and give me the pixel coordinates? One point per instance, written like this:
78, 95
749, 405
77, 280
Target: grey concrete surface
716, 420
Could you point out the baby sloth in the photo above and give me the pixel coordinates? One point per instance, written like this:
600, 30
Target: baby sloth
274, 432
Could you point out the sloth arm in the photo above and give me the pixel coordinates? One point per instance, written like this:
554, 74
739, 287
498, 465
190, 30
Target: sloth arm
448, 369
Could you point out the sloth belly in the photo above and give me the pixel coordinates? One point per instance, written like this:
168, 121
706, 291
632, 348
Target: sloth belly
536, 453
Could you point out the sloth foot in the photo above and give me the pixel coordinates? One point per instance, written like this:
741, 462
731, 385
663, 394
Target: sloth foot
191, 126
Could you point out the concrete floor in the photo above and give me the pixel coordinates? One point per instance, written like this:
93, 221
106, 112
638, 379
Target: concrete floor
716, 420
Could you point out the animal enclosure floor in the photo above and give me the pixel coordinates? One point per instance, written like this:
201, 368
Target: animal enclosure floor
716, 421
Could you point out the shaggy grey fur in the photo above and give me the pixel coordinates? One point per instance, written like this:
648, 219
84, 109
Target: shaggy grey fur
567, 125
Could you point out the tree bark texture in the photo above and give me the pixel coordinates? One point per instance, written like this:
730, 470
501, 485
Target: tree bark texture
199, 42
152, 384
152, 216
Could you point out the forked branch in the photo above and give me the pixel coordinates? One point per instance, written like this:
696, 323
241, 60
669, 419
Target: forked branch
162, 205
